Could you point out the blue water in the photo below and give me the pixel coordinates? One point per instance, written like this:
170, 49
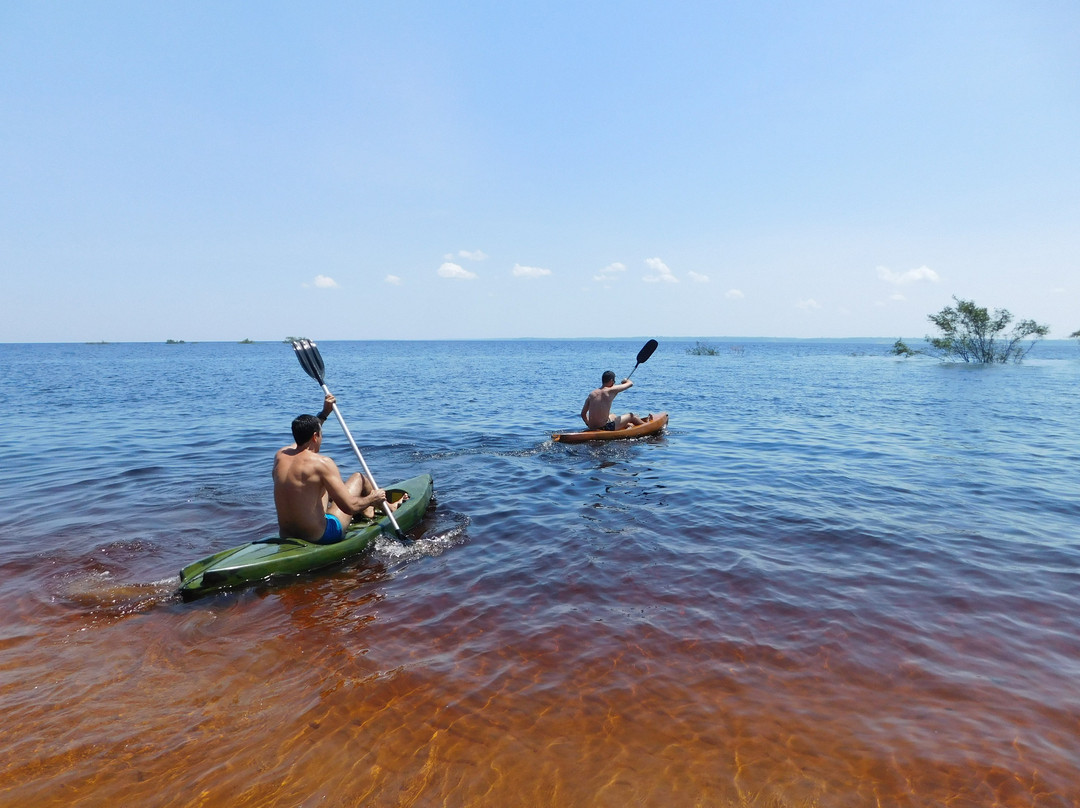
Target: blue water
836, 577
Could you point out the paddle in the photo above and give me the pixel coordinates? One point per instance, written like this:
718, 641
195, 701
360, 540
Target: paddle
643, 355
312, 363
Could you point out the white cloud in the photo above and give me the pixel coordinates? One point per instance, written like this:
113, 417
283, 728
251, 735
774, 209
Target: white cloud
394, 280
530, 272
897, 296
911, 276
662, 272
455, 271
808, 304
734, 294
610, 272
324, 282
697, 278
473, 255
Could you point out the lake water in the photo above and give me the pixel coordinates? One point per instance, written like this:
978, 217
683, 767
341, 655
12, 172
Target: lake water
836, 579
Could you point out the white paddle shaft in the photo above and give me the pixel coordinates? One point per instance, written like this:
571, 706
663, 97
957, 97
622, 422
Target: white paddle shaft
360, 457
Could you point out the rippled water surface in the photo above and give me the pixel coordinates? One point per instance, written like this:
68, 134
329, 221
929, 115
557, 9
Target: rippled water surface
836, 579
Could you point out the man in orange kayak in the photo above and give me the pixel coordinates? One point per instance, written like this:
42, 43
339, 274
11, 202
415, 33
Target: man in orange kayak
313, 501
596, 412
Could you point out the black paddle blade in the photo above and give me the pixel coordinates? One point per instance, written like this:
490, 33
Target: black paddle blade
316, 359
646, 351
309, 358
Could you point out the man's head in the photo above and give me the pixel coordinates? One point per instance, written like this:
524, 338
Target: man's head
304, 427
608, 378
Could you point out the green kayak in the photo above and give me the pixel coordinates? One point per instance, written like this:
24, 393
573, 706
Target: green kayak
258, 560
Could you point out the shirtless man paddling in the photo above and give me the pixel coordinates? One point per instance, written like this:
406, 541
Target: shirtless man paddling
313, 502
596, 412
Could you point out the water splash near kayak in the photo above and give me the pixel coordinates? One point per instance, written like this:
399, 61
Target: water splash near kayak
448, 530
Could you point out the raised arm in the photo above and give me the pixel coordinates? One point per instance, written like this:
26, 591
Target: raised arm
327, 407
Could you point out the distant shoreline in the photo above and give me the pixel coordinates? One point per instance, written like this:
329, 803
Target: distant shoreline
721, 340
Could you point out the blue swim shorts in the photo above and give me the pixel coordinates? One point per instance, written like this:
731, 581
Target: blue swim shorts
610, 425
333, 531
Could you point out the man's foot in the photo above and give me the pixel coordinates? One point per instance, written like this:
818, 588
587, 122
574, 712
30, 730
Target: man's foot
393, 506
369, 511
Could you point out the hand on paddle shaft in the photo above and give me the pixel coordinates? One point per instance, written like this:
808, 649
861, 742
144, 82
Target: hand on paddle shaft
311, 361
643, 355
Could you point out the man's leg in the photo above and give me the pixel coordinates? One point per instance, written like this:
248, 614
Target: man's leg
357, 485
360, 486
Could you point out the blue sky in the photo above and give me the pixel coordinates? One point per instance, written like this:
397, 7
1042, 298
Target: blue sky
221, 171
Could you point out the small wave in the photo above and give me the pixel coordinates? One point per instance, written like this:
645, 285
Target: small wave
143, 472
99, 593
483, 451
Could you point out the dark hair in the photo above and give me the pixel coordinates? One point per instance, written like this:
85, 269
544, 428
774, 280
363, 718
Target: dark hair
609, 376
304, 427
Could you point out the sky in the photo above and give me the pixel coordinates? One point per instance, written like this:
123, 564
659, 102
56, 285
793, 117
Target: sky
441, 170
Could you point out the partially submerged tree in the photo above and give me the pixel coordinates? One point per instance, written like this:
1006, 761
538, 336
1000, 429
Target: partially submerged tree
970, 333
703, 349
900, 348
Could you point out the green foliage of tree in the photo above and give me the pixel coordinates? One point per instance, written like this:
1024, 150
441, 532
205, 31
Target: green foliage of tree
1074, 334
972, 334
900, 348
703, 349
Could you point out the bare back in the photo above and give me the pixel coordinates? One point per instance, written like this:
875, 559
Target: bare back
597, 409
301, 491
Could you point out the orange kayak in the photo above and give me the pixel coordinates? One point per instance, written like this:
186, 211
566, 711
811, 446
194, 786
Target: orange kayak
658, 422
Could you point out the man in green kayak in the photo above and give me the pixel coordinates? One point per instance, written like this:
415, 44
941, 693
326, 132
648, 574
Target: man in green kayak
313, 502
596, 412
